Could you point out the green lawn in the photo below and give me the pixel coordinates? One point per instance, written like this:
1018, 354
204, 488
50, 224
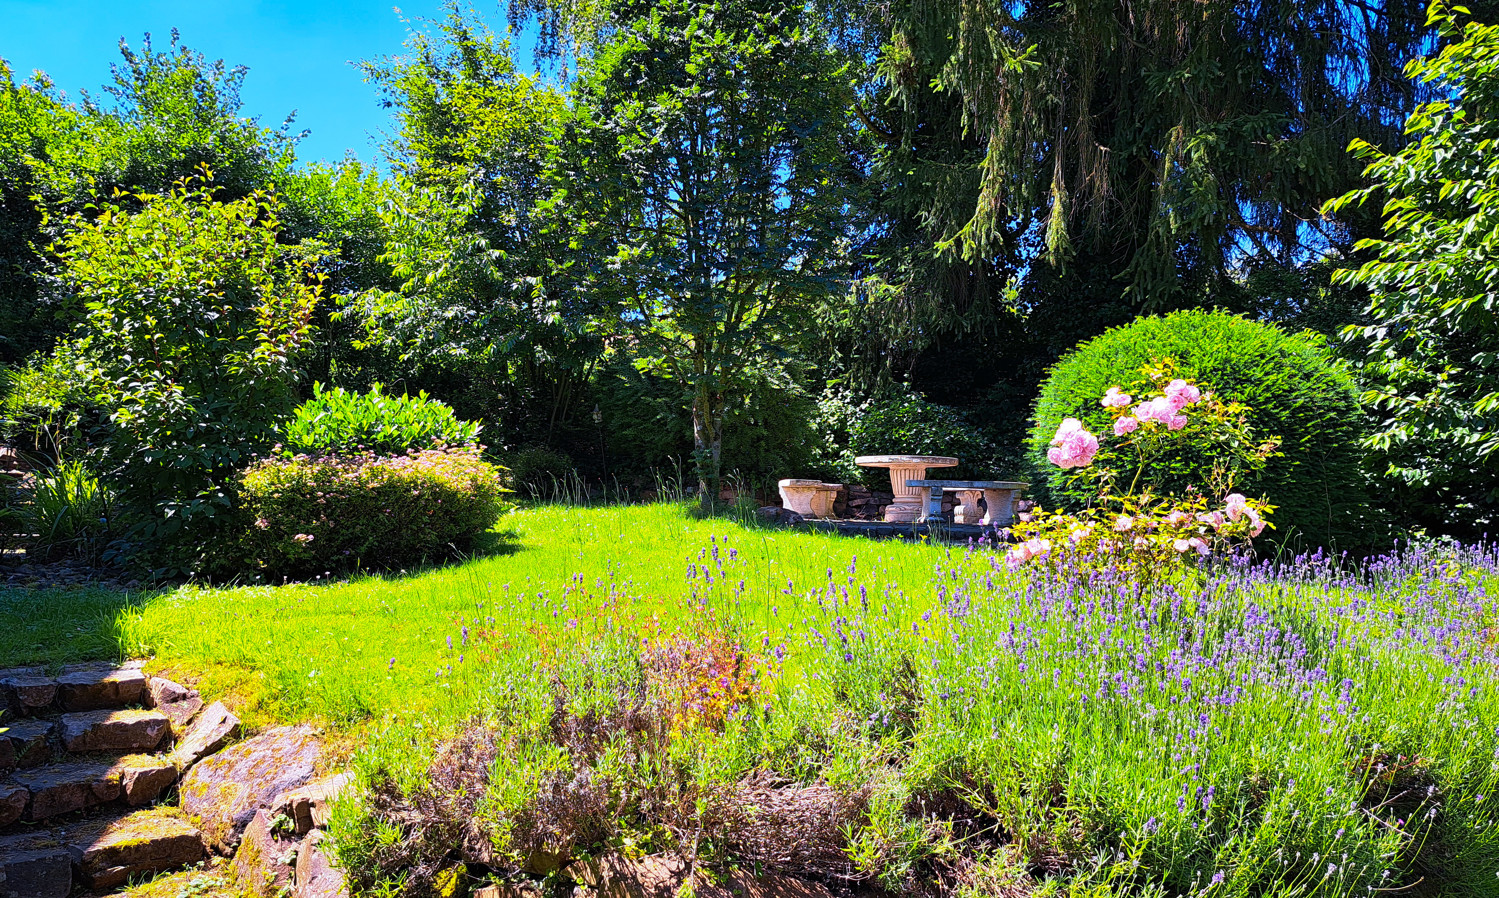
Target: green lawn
632, 677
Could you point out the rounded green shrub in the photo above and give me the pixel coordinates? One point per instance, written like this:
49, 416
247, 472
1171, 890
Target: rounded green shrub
338, 421
1296, 389
310, 514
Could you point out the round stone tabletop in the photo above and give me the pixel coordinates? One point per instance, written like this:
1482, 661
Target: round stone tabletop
893, 461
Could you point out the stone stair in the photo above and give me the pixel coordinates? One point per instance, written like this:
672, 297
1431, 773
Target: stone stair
87, 759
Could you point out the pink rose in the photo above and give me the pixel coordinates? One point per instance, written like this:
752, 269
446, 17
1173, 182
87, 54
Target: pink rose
1176, 422
1235, 506
1123, 523
1115, 399
1182, 394
1127, 424
1073, 446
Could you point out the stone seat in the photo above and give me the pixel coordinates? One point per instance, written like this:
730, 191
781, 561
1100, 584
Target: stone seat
999, 500
809, 498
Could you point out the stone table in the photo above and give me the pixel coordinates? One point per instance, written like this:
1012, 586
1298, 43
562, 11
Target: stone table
907, 506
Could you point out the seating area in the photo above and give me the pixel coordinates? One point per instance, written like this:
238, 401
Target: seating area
914, 499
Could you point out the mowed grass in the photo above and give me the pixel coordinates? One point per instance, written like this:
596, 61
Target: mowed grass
344, 651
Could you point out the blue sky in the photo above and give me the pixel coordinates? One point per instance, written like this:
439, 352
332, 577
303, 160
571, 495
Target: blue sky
298, 53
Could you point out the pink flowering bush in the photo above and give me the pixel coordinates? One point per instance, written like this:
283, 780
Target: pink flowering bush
308, 515
1137, 523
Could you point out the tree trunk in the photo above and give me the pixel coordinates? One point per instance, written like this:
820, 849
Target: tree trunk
707, 444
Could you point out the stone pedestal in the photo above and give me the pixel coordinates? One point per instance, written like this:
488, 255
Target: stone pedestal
967, 510
1001, 507
906, 508
809, 498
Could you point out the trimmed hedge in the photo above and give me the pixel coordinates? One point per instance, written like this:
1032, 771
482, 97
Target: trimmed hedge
313, 514
1296, 389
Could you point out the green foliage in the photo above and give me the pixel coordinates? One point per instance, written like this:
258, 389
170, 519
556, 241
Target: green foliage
711, 201
308, 515
1430, 347
537, 472
336, 421
898, 422
66, 513
1298, 393
195, 315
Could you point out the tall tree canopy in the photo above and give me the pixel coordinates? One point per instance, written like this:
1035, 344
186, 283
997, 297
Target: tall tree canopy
710, 155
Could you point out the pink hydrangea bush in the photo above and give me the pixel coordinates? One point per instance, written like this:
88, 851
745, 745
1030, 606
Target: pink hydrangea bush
1143, 529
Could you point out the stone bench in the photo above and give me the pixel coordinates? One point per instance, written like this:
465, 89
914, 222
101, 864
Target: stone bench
809, 498
999, 499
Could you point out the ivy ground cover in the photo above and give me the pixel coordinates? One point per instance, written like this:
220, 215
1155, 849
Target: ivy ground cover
1299, 728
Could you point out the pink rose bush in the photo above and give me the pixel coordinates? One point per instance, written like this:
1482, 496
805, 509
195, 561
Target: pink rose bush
1144, 530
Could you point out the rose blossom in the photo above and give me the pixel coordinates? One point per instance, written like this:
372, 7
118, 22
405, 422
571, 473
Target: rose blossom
1127, 424
1115, 399
1181, 394
1073, 446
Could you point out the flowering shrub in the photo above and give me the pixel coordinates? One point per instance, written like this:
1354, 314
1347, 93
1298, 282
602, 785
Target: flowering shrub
336, 421
1298, 390
311, 514
1145, 529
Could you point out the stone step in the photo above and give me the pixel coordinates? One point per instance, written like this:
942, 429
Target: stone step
46, 792
97, 853
25, 743
113, 731
110, 851
31, 691
35, 865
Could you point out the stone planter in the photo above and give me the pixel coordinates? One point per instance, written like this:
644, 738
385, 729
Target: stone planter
809, 498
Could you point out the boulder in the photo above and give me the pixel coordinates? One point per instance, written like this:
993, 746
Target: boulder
212, 731
307, 807
264, 862
317, 877
223, 792
110, 853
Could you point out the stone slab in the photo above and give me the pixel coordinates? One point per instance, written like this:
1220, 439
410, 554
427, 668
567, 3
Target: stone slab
27, 742
34, 866
109, 853
113, 730
143, 778
63, 788
317, 877
27, 690
307, 807
223, 792
13, 800
90, 687
210, 732
264, 862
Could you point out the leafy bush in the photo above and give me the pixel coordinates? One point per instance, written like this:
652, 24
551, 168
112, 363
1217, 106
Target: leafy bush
310, 514
337, 421
1298, 392
196, 314
899, 422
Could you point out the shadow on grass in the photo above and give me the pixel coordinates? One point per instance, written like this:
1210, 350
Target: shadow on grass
64, 625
